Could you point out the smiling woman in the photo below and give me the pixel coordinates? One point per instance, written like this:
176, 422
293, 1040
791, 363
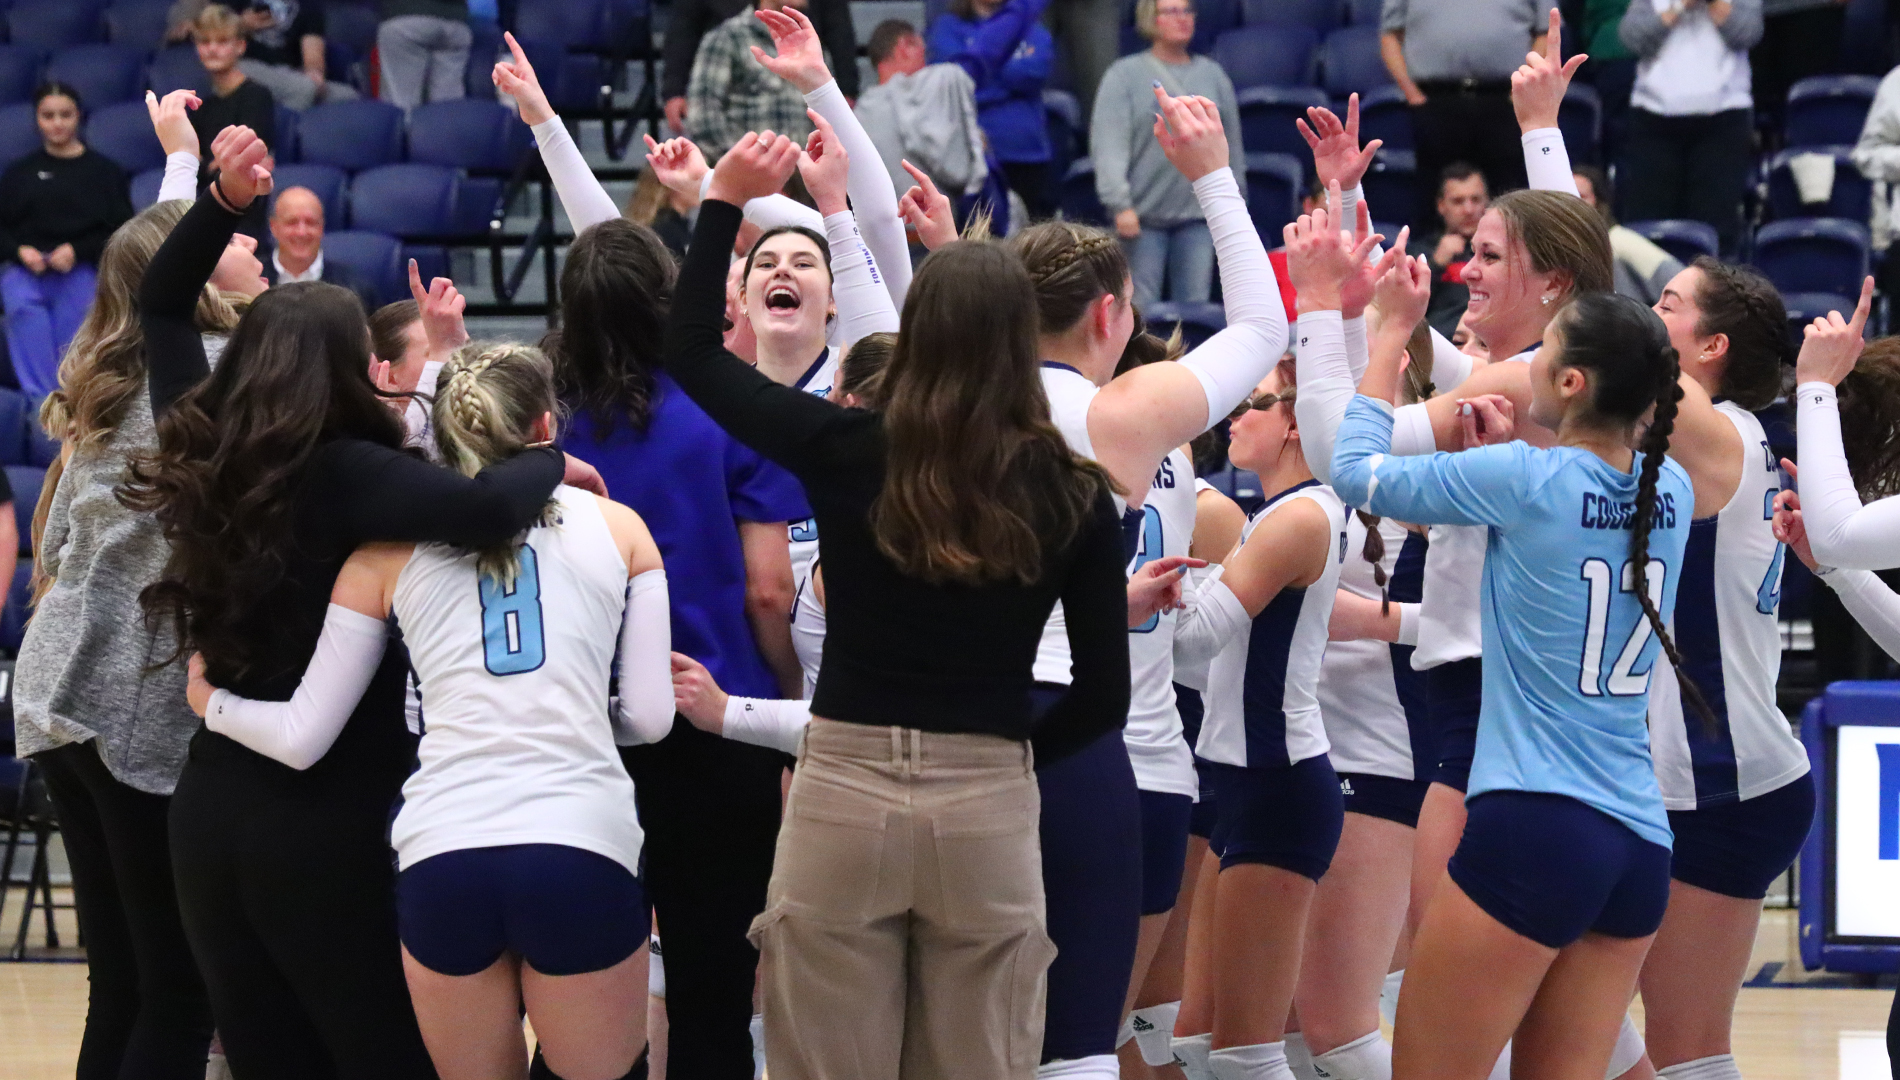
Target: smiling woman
786, 296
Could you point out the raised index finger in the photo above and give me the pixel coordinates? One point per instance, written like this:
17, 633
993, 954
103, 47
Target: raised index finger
1554, 40
1859, 325
514, 47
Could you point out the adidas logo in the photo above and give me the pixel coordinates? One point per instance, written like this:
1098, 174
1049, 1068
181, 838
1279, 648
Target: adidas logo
1345, 786
1141, 1024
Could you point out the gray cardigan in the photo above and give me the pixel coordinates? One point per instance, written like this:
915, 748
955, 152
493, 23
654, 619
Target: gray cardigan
1130, 169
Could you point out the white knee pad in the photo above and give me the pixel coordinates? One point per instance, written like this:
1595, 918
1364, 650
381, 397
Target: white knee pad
1096, 1067
656, 969
1190, 1054
1368, 1057
1720, 1067
1299, 1056
1260, 1061
1629, 1050
1154, 1032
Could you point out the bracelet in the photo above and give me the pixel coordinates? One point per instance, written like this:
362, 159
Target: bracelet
217, 192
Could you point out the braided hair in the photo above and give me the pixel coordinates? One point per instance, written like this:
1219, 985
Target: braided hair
1737, 301
1071, 266
487, 400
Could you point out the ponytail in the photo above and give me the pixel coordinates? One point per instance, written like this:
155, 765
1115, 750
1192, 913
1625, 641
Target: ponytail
1374, 553
487, 400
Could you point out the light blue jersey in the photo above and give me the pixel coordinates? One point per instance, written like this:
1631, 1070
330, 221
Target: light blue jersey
1567, 651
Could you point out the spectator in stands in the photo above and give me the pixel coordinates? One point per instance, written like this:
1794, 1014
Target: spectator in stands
1155, 211
1691, 138
1877, 156
422, 47
922, 113
1010, 56
692, 20
1462, 198
730, 93
285, 54
1453, 59
296, 229
1611, 69
1089, 34
58, 206
1800, 38
234, 98
1643, 268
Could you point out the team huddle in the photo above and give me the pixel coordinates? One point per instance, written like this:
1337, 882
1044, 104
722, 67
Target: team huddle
1469, 730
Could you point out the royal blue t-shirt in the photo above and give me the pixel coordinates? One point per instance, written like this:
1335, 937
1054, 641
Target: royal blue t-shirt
692, 483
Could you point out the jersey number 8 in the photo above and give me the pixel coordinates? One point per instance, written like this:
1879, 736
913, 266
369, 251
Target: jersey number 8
512, 640
1623, 682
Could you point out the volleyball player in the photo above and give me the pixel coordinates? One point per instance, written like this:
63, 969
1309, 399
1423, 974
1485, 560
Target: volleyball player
1561, 875
518, 854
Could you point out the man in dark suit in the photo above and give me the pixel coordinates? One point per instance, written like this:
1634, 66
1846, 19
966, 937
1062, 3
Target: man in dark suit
296, 226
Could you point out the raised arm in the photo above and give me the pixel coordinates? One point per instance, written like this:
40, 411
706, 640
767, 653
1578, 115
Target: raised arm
857, 286
582, 196
1843, 532
1537, 95
1095, 610
171, 119
1477, 487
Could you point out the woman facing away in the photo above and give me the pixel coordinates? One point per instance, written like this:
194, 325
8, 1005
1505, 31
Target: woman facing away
517, 849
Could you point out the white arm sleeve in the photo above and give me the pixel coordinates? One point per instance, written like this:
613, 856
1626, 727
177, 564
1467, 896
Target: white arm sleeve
181, 177
873, 198
1547, 162
1412, 431
1872, 604
1450, 367
857, 286
1327, 384
1231, 363
1842, 532
777, 724
645, 712
300, 731
1213, 617
1408, 625
582, 196
774, 211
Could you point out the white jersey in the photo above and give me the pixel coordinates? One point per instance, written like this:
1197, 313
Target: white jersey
1726, 628
808, 615
518, 745
1368, 692
1193, 674
1262, 688
1069, 393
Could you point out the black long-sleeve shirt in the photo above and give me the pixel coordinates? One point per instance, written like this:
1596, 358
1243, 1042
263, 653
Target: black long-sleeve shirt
252, 106
691, 19
46, 201
354, 491
898, 650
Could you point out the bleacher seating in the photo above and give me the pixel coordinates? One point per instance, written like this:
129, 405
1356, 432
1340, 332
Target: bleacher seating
414, 202
287, 146
123, 132
27, 481
1364, 12
1068, 129
1828, 110
1351, 62
1197, 322
1076, 198
351, 135
349, 35
1267, 114
1805, 307
1390, 185
1580, 118
374, 257
177, 68
54, 26
484, 136
1319, 15
19, 73
1383, 114
145, 188
1851, 196
1814, 255
326, 182
1267, 55
1274, 185
141, 26
103, 74
1681, 238
19, 134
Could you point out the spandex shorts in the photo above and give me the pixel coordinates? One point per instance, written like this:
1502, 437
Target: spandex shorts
1385, 797
1553, 869
1164, 834
1457, 690
1286, 816
1188, 701
563, 910
1739, 848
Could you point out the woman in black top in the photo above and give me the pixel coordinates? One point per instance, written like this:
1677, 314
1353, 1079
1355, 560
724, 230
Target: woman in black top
268, 473
903, 934
58, 206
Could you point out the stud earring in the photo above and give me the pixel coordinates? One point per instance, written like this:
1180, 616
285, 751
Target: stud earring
1546, 301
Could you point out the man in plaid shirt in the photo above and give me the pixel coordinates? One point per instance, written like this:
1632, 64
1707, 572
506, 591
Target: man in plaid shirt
730, 93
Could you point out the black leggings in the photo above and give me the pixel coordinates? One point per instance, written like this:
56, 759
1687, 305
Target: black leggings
146, 1011
710, 808
287, 888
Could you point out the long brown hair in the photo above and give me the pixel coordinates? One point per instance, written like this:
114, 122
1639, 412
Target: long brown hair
1072, 266
616, 290
1870, 419
1560, 232
978, 483
232, 452
1739, 302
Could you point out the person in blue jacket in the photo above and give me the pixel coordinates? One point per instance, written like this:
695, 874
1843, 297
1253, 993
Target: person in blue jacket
1009, 54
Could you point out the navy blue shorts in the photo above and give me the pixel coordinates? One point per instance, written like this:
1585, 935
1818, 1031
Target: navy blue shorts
1739, 848
563, 910
1385, 797
1553, 869
1457, 691
1187, 701
1287, 817
1164, 838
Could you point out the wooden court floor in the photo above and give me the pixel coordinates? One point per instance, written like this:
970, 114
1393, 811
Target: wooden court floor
1784, 1032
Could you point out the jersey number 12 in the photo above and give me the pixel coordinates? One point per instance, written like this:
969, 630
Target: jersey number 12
512, 639
1622, 681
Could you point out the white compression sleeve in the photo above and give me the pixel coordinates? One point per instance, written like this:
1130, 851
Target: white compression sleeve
1547, 162
181, 177
778, 724
645, 712
1326, 385
1408, 625
1450, 367
1412, 431
582, 196
1872, 604
873, 198
1842, 531
300, 731
1231, 363
1213, 617
857, 286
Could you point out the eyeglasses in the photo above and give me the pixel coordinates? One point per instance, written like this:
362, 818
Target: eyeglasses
1188, 11
1262, 401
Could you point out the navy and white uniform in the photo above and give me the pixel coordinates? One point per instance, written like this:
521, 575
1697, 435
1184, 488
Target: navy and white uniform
1190, 684
1740, 799
1277, 797
1373, 703
808, 615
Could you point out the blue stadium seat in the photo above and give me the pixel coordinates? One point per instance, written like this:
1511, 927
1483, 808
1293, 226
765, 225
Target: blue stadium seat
103, 74
1197, 322
1681, 238
484, 136
145, 188
54, 26
351, 135
404, 200
1828, 110
1319, 15
139, 26
1851, 196
1383, 114
1580, 118
326, 182
27, 481
1805, 307
1364, 12
1814, 255
123, 132
16, 417
1076, 198
1212, 18
1351, 61
374, 257
573, 36
12, 633
1068, 129
40, 450
1275, 183
19, 73
349, 36
1391, 185
177, 68
1267, 114
19, 134
1267, 55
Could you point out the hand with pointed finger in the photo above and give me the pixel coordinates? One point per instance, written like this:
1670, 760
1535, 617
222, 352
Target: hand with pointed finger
243, 163
677, 164
1337, 154
824, 166
1156, 587
1833, 344
1790, 529
927, 210
1538, 86
757, 166
1356, 291
1190, 134
1319, 258
1402, 295
171, 118
517, 79
1487, 420
441, 306
801, 56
